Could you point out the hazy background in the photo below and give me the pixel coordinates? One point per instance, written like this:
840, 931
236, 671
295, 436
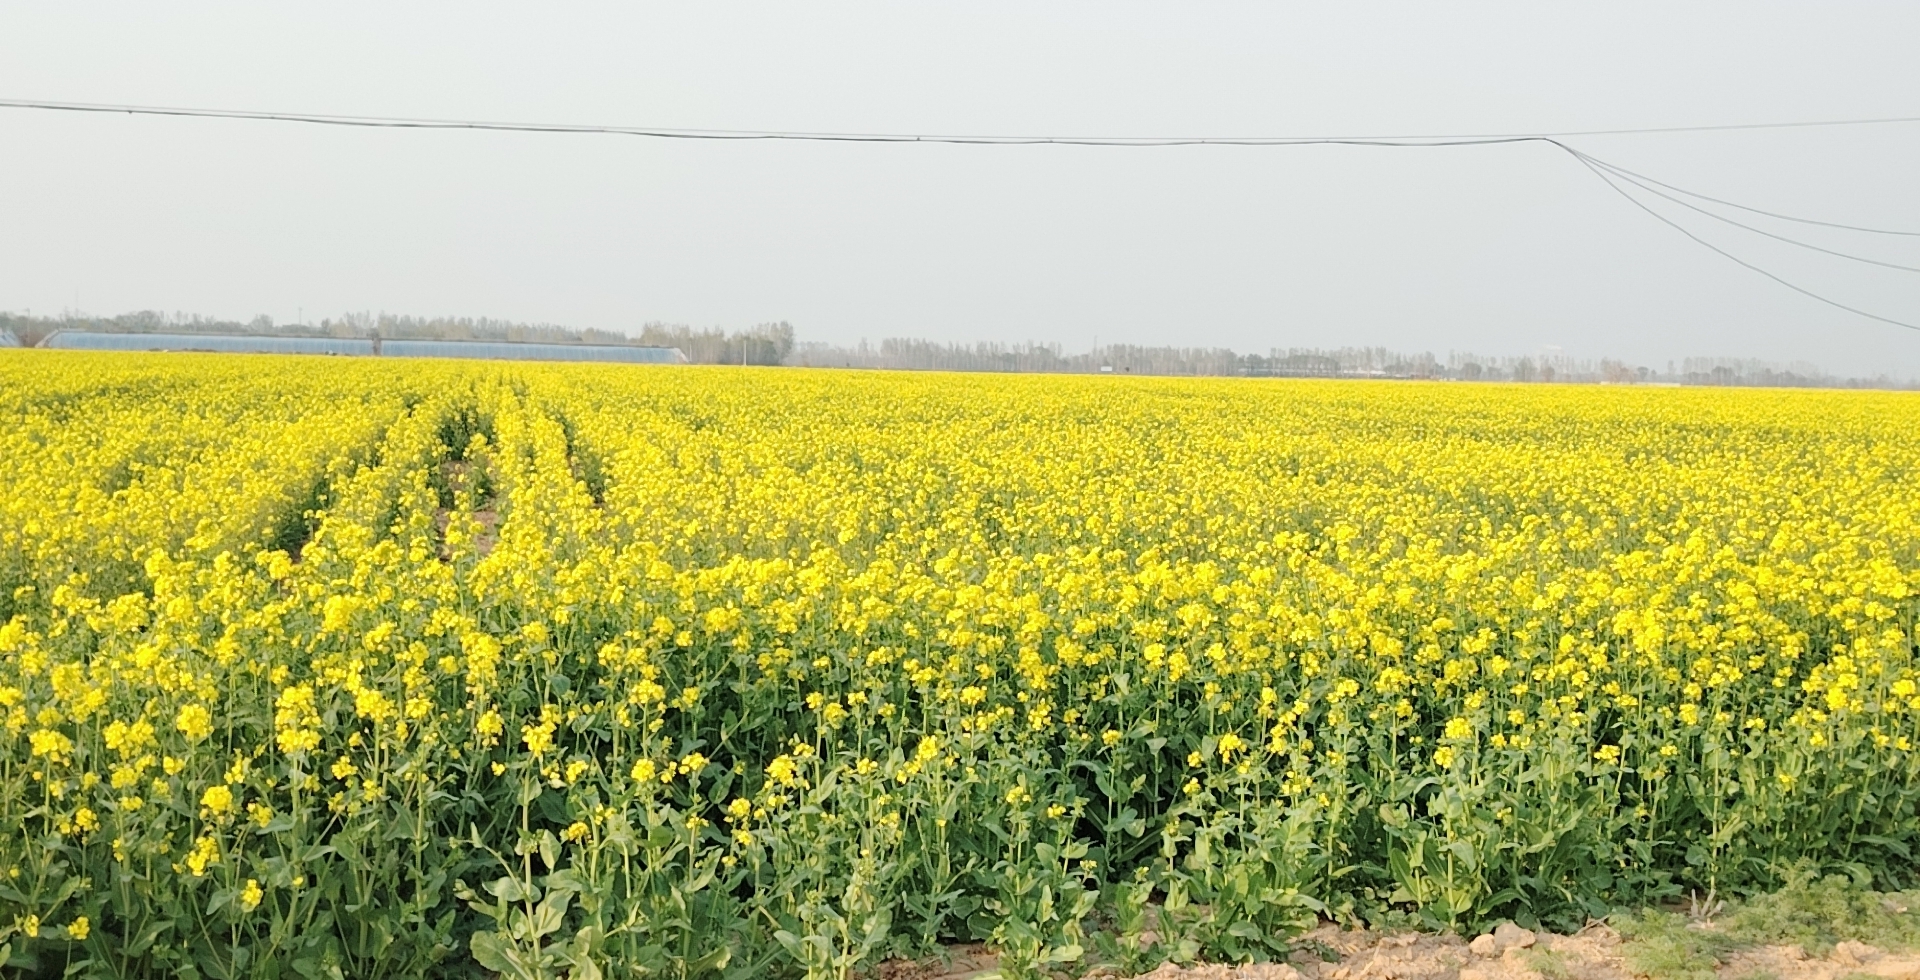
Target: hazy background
1500, 250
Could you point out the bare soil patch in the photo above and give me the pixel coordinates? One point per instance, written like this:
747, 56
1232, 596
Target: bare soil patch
1509, 953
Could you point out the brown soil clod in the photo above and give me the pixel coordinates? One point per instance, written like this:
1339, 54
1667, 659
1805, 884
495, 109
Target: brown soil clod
957, 963
1508, 952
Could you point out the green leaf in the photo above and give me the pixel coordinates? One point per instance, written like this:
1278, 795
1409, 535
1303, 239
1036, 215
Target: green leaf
792, 943
548, 915
714, 960
1065, 954
147, 936
530, 790
402, 825
578, 953
566, 880
553, 806
510, 889
496, 954
490, 952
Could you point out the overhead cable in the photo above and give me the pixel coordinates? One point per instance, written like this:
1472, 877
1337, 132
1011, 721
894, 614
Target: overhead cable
1663, 219
1607, 172
1771, 214
664, 132
1585, 158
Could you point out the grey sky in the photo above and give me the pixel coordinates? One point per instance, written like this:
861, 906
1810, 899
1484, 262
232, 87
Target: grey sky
1500, 250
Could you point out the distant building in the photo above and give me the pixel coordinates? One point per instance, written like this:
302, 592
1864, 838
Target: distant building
219, 343
7, 339
358, 347
509, 351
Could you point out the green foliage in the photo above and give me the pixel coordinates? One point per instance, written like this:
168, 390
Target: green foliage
1667, 946
1815, 912
755, 678
1811, 911
1548, 963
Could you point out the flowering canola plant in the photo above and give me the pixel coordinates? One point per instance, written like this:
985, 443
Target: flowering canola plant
346, 668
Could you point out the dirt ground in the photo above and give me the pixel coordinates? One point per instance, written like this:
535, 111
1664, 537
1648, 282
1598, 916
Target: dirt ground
1509, 953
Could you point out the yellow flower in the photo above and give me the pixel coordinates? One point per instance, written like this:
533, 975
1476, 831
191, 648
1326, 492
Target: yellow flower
783, 771
206, 852
51, 744
489, 725
250, 895
218, 799
539, 738
78, 929
127, 739
195, 722
387, 561
1229, 744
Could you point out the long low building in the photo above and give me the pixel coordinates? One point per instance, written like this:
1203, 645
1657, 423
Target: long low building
509, 351
359, 347
220, 343
7, 339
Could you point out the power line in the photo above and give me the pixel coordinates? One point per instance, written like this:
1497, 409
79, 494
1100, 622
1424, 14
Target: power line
1738, 224
1770, 214
660, 132
1607, 172
1663, 219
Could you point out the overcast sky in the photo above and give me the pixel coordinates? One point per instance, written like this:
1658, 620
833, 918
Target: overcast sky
1502, 250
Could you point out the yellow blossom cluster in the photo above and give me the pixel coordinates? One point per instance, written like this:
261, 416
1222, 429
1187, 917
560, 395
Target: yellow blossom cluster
370, 668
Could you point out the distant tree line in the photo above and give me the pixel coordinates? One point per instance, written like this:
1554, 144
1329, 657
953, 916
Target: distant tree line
31, 329
775, 343
390, 327
767, 344
1306, 362
1746, 372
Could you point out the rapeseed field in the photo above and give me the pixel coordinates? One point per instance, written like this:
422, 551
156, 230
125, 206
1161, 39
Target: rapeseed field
337, 668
